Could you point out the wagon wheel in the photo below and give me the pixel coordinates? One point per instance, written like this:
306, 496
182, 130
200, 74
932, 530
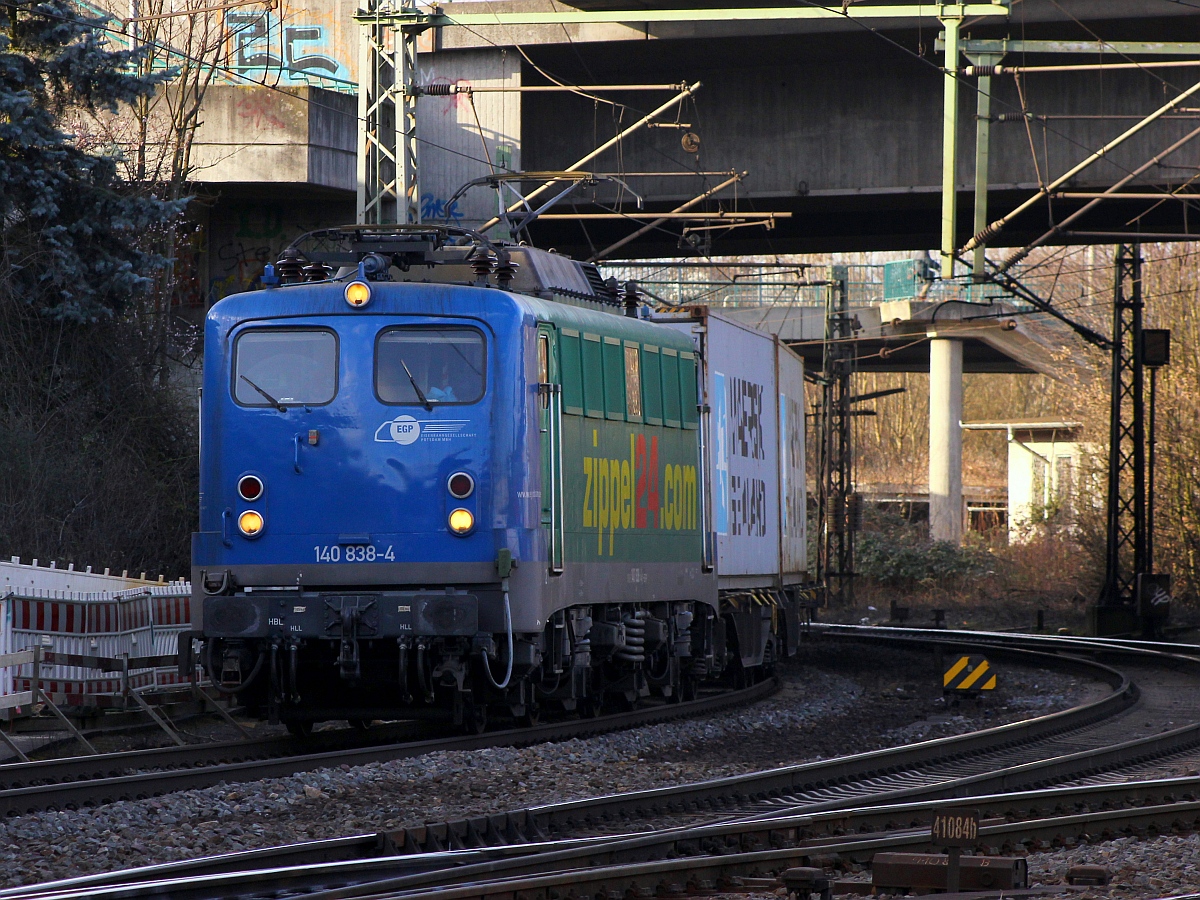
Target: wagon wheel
688, 688
627, 701
530, 717
300, 729
475, 717
588, 707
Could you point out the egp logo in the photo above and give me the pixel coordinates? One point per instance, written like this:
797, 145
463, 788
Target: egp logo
405, 430
402, 430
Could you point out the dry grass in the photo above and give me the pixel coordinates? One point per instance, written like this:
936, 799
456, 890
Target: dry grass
998, 585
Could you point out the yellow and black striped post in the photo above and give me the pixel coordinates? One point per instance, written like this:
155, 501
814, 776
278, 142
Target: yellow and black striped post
969, 674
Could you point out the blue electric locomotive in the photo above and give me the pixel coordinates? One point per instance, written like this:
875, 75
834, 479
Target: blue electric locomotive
443, 474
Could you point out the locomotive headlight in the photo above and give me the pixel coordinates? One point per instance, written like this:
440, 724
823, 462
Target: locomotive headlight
357, 294
461, 521
250, 523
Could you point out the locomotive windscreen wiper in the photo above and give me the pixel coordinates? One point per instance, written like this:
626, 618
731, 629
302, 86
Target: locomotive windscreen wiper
275, 403
416, 387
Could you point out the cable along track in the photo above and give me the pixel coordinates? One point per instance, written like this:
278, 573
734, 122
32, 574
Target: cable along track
116, 782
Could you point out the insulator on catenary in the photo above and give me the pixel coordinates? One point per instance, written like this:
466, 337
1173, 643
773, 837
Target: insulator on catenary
483, 264
443, 90
506, 270
982, 71
290, 267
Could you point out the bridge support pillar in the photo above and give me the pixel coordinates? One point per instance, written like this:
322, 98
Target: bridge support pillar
945, 440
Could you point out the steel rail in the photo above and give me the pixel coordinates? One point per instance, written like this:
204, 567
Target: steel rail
19, 800
862, 766
1046, 642
902, 826
592, 850
218, 876
664, 874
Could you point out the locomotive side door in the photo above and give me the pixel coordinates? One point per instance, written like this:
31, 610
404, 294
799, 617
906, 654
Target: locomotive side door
550, 425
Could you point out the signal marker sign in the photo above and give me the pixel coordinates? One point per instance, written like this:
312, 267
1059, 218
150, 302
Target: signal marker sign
969, 673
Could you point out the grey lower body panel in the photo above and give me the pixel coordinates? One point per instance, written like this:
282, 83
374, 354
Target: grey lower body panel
352, 576
581, 584
305, 615
534, 593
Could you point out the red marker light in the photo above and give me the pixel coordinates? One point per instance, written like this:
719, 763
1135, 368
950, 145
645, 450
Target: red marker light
250, 487
460, 485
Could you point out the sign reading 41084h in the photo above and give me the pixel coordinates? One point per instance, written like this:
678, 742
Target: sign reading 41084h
955, 827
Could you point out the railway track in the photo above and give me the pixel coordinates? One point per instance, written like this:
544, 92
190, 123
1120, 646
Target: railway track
756, 848
105, 778
754, 826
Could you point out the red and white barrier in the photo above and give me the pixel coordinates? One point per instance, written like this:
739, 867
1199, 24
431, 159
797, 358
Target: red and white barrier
100, 631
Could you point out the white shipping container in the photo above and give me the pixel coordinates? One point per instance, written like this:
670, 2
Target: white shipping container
752, 423
793, 494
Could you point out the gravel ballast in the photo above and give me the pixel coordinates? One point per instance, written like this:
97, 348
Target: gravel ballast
834, 701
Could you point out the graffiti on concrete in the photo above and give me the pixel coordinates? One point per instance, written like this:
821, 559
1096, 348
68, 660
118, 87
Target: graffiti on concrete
258, 110
244, 238
237, 266
297, 51
435, 208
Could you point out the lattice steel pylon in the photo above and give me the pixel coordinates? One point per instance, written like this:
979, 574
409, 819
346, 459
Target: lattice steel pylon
1126, 554
388, 184
835, 461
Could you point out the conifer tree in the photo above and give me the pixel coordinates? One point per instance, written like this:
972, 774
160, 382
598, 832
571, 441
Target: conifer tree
71, 232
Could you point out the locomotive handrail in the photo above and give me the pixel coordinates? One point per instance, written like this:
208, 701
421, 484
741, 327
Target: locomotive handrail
557, 565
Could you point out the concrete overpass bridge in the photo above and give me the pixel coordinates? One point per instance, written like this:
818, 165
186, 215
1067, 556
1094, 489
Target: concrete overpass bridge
840, 119
837, 121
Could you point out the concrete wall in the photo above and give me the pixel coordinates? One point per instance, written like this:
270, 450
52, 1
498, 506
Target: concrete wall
295, 136
297, 43
1042, 477
840, 114
452, 149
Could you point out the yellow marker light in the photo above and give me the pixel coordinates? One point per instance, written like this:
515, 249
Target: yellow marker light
250, 523
461, 521
357, 294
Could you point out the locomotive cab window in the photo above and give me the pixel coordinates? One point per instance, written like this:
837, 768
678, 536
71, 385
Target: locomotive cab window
276, 366
415, 365
543, 362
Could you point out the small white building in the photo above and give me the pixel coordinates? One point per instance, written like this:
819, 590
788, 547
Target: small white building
1044, 465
